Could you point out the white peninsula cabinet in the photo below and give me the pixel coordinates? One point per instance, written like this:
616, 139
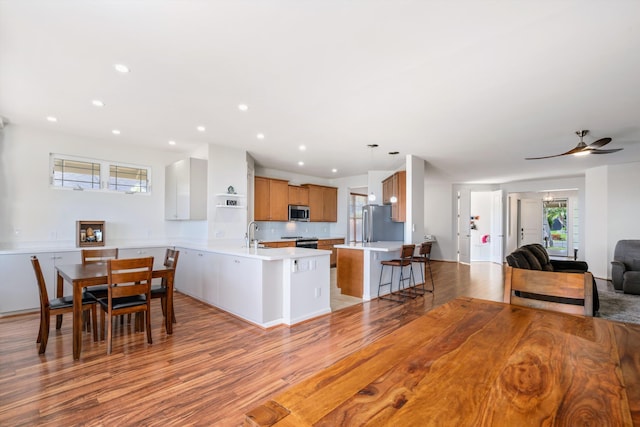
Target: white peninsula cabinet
185, 195
267, 287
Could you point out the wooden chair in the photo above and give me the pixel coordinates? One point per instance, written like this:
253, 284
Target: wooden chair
549, 290
128, 291
160, 291
90, 256
57, 306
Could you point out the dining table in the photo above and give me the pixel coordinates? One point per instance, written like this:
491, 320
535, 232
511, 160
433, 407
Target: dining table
82, 275
472, 362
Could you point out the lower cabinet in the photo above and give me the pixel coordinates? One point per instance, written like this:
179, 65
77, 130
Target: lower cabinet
327, 244
190, 277
240, 286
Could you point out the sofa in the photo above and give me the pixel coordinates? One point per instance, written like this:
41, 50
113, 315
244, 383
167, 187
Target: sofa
625, 267
535, 257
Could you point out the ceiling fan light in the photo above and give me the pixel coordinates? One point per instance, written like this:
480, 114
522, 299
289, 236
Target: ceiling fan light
582, 153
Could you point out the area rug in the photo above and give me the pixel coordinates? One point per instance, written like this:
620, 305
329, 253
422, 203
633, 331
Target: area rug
618, 306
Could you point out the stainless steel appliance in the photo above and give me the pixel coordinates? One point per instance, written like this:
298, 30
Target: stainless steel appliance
298, 213
377, 225
304, 242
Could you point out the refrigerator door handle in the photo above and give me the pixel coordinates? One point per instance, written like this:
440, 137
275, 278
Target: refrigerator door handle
365, 228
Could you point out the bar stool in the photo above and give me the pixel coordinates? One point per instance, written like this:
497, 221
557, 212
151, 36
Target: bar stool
404, 261
425, 258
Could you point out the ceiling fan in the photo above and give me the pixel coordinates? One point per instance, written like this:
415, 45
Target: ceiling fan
582, 148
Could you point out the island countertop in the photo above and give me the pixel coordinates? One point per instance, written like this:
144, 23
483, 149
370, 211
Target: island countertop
387, 246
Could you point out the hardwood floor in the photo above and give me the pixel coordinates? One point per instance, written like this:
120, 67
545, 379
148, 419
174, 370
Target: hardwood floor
209, 372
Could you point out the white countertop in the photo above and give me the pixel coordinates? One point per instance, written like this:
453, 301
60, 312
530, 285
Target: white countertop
228, 248
374, 246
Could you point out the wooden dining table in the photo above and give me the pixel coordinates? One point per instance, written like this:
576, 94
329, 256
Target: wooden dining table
472, 362
82, 275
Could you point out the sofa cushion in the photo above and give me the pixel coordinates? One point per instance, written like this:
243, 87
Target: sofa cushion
517, 259
631, 282
532, 259
635, 265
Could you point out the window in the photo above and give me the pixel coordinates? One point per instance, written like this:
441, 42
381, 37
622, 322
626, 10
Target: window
128, 179
80, 174
76, 174
356, 202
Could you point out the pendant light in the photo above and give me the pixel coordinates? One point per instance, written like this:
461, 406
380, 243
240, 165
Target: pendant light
372, 196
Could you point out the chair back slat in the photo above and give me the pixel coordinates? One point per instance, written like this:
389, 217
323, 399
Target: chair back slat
98, 255
425, 248
407, 251
561, 290
131, 276
42, 285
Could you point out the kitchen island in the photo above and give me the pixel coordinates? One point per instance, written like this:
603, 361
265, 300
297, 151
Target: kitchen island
264, 286
359, 266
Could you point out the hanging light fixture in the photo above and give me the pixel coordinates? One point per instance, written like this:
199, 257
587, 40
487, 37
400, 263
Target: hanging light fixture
547, 198
372, 196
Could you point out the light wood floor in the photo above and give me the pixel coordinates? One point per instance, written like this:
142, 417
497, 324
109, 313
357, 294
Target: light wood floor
209, 372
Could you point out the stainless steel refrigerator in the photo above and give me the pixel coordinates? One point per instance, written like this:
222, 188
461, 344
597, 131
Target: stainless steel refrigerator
377, 225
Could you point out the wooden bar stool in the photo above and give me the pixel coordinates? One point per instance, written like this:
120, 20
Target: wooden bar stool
424, 257
404, 261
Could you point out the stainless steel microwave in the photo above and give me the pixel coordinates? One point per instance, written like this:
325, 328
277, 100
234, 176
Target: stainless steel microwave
298, 213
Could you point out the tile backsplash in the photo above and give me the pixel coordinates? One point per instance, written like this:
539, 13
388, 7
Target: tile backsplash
268, 230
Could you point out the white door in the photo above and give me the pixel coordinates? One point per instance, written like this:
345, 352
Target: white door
464, 230
497, 232
530, 221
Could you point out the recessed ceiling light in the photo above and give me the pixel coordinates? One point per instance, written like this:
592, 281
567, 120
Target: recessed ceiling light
172, 142
52, 119
115, 132
301, 163
243, 107
97, 103
201, 128
302, 148
121, 68
334, 170
260, 136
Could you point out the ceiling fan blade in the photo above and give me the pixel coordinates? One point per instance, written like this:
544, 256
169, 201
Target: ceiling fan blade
613, 150
572, 151
600, 143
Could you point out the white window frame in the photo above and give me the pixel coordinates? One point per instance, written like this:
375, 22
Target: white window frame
105, 168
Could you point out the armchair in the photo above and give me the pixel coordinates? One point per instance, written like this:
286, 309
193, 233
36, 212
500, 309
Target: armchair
535, 257
625, 267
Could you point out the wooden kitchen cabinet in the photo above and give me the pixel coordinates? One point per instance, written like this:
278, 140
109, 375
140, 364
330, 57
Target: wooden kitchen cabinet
323, 203
396, 185
271, 201
298, 195
186, 190
327, 245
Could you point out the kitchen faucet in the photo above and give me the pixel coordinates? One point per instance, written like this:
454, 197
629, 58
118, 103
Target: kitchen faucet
247, 236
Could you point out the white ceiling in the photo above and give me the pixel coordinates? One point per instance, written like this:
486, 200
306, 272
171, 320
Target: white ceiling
470, 86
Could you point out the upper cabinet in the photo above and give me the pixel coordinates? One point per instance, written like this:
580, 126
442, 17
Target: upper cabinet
323, 203
186, 190
396, 186
298, 195
271, 201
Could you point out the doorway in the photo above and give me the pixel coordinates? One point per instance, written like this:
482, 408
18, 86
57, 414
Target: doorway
555, 234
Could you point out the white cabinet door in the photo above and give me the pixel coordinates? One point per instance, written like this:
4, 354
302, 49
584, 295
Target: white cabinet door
186, 190
240, 290
50, 273
210, 278
18, 287
189, 278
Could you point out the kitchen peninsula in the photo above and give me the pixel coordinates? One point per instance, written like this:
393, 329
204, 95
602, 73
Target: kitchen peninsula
264, 286
359, 267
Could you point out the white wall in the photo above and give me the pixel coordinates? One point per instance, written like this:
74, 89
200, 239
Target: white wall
439, 214
481, 208
33, 214
414, 225
612, 203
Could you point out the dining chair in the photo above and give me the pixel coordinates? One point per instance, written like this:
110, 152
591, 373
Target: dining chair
90, 256
53, 307
160, 290
128, 291
404, 261
550, 290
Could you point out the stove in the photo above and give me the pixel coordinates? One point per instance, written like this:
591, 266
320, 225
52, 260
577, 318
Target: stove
304, 242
